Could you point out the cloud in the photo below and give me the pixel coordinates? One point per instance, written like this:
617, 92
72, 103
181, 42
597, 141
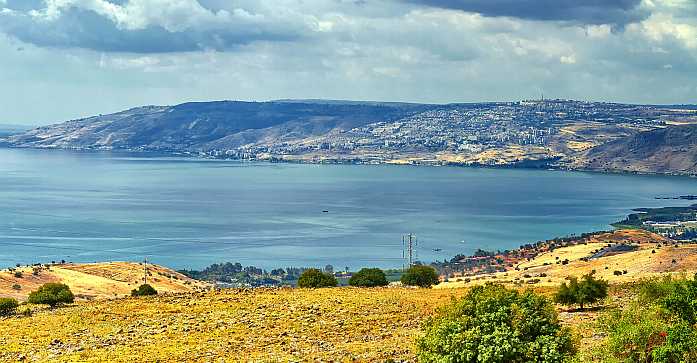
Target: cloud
143, 26
614, 12
125, 53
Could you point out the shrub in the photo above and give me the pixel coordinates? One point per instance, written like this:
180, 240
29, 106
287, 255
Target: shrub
8, 306
314, 278
659, 327
18, 274
642, 333
16, 287
144, 290
682, 300
495, 324
368, 277
588, 291
52, 294
677, 296
26, 311
422, 276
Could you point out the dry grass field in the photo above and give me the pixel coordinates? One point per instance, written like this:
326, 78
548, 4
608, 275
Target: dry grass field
655, 256
267, 325
95, 281
271, 325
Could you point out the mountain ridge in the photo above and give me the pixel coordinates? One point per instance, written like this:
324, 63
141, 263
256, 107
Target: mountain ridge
551, 133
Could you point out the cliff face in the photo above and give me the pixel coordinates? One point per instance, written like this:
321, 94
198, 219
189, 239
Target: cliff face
670, 150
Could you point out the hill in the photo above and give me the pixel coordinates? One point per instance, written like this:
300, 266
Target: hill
545, 133
670, 150
224, 125
286, 324
619, 257
94, 281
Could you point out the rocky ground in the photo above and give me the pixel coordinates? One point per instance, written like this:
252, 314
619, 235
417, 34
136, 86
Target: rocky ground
341, 324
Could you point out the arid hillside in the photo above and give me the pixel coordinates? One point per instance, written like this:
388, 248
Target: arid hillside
94, 281
620, 256
670, 150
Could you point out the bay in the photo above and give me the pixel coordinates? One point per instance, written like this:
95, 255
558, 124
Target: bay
189, 213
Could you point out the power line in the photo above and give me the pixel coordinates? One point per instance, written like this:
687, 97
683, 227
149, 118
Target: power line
409, 243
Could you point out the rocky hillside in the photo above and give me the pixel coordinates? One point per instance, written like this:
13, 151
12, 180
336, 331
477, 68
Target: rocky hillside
206, 125
579, 135
671, 150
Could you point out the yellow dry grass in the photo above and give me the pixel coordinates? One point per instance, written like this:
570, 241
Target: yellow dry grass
580, 145
96, 280
340, 324
647, 261
504, 155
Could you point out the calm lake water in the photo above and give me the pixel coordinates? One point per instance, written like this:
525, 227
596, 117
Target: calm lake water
188, 213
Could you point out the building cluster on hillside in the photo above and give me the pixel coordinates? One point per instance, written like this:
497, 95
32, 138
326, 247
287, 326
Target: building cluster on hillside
461, 128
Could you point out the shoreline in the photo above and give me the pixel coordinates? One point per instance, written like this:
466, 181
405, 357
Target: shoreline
281, 160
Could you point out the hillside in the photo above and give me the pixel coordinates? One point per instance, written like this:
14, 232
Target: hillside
95, 281
286, 324
222, 125
671, 150
650, 255
545, 133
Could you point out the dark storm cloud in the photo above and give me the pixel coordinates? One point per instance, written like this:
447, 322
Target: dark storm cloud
614, 12
79, 27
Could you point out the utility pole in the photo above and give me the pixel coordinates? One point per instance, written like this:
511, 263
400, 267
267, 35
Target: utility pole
145, 270
408, 246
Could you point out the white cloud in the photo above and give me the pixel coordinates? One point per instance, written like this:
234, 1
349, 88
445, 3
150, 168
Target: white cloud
568, 59
165, 52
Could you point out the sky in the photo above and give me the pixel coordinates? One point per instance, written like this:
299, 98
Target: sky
64, 59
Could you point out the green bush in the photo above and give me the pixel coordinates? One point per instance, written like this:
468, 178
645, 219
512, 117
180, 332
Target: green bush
682, 300
314, 278
368, 277
653, 289
588, 291
646, 334
659, 327
494, 324
8, 306
52, 294
422, 276
144, 290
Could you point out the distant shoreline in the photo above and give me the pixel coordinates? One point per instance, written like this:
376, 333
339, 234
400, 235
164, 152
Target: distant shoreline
192, 156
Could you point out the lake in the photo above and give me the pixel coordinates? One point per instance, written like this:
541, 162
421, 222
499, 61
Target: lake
189, 213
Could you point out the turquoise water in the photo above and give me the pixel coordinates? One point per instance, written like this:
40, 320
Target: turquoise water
188, 213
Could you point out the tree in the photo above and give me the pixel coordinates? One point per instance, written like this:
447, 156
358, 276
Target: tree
494, 324
52, 294
368, 277
314, 278
144, 290
588, 291
422, 276
8, 306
